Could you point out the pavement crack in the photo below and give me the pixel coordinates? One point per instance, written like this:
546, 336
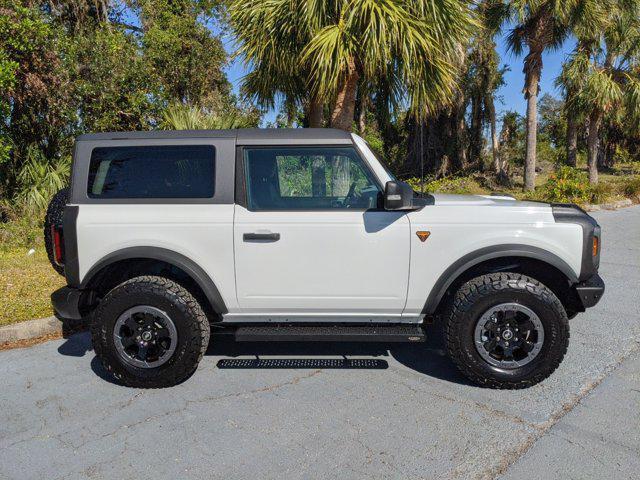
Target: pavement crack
512, 456
500, 414
265, 389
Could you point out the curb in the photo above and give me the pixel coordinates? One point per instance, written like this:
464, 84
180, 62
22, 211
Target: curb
610, 206
31, 329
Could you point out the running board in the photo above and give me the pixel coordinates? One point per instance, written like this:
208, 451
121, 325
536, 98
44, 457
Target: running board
330, 333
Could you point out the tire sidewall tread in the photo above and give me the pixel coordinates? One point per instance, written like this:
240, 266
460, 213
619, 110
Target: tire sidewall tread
477, 296
183, 309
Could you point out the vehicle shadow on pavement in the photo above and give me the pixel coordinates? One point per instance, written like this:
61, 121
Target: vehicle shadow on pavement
427, 358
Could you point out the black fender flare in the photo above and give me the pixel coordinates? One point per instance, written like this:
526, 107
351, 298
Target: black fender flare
191, 268
476, 257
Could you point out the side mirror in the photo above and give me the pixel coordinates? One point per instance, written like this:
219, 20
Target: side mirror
398, 196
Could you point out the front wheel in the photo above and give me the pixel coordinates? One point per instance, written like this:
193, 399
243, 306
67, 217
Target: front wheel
149, 332
506, 330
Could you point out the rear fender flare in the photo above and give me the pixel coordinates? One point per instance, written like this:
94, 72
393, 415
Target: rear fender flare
191, 268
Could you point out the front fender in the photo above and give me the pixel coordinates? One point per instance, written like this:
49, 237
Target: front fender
476, 257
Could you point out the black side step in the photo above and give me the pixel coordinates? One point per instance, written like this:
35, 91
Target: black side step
330, 333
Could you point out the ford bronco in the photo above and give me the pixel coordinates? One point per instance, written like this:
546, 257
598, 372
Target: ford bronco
304, 235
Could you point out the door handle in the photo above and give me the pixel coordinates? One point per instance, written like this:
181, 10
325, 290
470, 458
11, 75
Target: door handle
265, 237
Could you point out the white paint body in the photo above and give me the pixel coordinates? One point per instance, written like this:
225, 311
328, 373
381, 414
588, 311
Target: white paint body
328, 265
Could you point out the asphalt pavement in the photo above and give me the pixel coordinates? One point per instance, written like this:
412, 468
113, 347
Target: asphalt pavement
311, 411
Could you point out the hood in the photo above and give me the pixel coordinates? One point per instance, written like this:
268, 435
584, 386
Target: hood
450, 200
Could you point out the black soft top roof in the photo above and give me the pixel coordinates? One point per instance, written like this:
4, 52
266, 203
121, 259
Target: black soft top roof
243, 136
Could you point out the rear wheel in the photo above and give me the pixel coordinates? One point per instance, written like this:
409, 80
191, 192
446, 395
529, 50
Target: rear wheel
506, 330
150, 332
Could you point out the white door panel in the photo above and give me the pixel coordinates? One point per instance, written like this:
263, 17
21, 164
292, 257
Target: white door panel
324, 262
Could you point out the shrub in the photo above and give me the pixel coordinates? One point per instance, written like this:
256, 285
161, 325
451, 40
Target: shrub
189, 117
631, 187
39, 179
18, 228
459, 185
600, 192
571, 185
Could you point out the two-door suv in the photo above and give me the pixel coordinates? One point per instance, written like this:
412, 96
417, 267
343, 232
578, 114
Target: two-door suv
302, 234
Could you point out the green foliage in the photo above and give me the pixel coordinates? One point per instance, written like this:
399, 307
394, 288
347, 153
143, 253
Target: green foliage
112, 83
571, 185
36, 77
19, 228
39, 179
458, 185
314, 45
512, 138
76, 66
632, 187
184, 57
552, 121
188, 117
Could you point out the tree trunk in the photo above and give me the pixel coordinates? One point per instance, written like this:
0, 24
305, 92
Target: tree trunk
340, 176
475, 147
532, 69
592, 146
495, 147
343, 112
459, 160
318, 177
316, 107
572, 140
362, 119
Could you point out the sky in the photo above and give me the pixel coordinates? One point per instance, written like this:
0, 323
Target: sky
509, 96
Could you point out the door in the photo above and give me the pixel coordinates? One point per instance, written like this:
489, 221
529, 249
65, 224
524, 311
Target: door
310, 241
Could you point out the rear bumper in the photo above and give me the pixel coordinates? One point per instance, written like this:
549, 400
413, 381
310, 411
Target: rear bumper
66, 303
590, 291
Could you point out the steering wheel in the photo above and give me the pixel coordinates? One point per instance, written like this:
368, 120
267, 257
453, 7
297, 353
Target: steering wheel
351, 195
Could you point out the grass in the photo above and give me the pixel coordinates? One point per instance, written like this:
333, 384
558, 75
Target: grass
26, 281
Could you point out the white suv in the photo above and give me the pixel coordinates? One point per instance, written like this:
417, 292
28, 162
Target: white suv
304, 235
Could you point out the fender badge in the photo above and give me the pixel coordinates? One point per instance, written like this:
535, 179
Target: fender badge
423, 235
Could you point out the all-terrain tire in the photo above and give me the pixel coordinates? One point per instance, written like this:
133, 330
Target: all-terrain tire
480, 294
186, 313
54, 216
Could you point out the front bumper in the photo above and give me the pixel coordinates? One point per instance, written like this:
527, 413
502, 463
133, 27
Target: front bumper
590, 291
66, 303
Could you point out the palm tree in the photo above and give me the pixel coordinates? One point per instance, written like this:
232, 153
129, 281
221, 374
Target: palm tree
540, 26
606, 77
321, 50
179, 116
271, 37
591, 16
484, 77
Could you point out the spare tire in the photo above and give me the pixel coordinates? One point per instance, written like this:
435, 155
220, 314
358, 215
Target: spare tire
54, 216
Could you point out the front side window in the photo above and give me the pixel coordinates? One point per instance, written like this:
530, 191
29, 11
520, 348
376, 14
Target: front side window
301, 178
173, 171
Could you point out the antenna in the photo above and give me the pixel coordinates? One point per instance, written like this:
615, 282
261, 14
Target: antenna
421, 157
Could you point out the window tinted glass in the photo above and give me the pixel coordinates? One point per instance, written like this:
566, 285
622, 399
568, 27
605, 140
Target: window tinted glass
152, 172
303, 178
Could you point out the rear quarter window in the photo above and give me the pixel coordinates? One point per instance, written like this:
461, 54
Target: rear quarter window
175, 171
